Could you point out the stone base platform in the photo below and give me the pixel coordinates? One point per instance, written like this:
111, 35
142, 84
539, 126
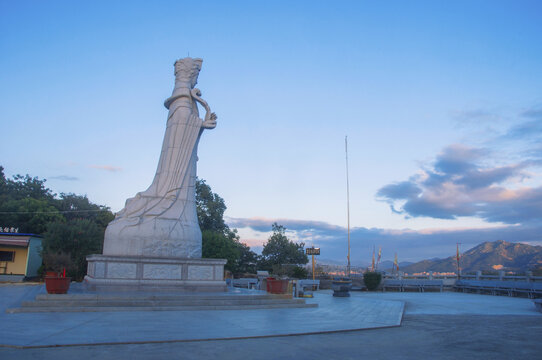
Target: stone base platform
141, 273
98, 302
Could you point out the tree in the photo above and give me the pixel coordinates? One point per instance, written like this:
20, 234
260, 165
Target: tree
75, 206
26, 204
76, 237
210, 208
279, 250
71, 223
218, 240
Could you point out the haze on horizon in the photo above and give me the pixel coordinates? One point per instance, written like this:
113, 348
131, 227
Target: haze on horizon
441, 103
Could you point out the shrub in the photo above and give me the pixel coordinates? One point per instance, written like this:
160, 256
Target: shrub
300, 273
372, 280
57, 261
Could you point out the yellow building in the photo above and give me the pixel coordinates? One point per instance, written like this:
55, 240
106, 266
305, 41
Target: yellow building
19, 256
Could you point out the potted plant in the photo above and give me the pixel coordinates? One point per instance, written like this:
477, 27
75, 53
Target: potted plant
56, 264
372, 280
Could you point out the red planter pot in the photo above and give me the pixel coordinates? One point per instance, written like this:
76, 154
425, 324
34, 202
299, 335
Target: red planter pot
57, 285
277, 286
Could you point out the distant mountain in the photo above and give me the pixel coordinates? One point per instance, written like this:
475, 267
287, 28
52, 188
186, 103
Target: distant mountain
496, 255
387, 265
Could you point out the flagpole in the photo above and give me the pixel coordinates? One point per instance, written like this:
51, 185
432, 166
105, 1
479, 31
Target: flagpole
458, 266
347, 203
373, 263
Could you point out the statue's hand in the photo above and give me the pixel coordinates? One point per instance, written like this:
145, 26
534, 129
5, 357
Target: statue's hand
196, 92
210, 121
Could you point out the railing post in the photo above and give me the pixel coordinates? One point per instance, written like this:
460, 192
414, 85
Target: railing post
478, 275
501, 275
528, 276
430, 275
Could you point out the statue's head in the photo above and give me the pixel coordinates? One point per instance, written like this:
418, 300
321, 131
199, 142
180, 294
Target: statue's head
187, 70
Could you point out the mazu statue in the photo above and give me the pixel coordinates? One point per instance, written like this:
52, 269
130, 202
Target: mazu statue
162, 220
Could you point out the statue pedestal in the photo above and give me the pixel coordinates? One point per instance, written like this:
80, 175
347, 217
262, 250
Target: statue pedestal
142, 273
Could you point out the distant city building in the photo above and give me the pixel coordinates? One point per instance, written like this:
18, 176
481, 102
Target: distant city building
19, 256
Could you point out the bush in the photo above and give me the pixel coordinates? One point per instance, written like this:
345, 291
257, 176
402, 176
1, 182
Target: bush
57, 262
372, 280
300, 273
78, 238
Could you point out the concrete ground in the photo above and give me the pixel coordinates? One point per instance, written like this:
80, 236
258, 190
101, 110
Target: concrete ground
434, 325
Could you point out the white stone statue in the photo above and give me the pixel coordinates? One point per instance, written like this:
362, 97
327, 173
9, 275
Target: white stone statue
162, 221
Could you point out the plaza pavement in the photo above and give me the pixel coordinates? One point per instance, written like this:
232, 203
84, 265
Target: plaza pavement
436, 325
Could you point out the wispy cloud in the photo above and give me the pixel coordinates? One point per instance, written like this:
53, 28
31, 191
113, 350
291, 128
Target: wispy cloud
106, 167
529, 126
64, 178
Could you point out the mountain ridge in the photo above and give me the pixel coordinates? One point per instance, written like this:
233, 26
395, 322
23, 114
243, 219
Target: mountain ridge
487, 256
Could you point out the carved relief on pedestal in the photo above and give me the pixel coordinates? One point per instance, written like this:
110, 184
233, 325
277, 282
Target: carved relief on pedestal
99, 270
121, 271
200, 272
158, 271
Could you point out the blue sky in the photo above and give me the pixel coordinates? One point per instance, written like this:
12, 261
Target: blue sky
441, 102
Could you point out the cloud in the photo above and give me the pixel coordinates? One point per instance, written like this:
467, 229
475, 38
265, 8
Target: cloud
106, 167
530, 129
402, 190
410, 245
458, 184
527, 129
64, 178
303, 229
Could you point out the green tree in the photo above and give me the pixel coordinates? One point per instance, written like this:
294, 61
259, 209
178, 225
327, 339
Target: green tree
279, 250
216, 245
71, 223
210, 208
74, 206
218, 240
76, 237
26, 204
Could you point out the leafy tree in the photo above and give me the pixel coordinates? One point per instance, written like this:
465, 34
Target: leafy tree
300, 272
71, 223
279, 250
248, 260
77, 237
210, 208
216, 245
26, 204
29, 215
218, 240
75, 206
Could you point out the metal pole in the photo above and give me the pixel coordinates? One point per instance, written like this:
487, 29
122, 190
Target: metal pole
458, 266
347, 203
313, 267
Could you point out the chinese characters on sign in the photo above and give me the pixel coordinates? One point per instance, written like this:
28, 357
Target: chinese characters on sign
9, 229
312, 251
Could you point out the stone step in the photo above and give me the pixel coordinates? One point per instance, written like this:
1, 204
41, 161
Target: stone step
139, 296
87, 302
169, 302
37, 309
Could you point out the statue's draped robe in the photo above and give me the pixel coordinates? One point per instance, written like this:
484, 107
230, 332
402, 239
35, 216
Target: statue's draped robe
162, 220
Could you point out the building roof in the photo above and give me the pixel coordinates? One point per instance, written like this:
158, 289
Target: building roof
16, 239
